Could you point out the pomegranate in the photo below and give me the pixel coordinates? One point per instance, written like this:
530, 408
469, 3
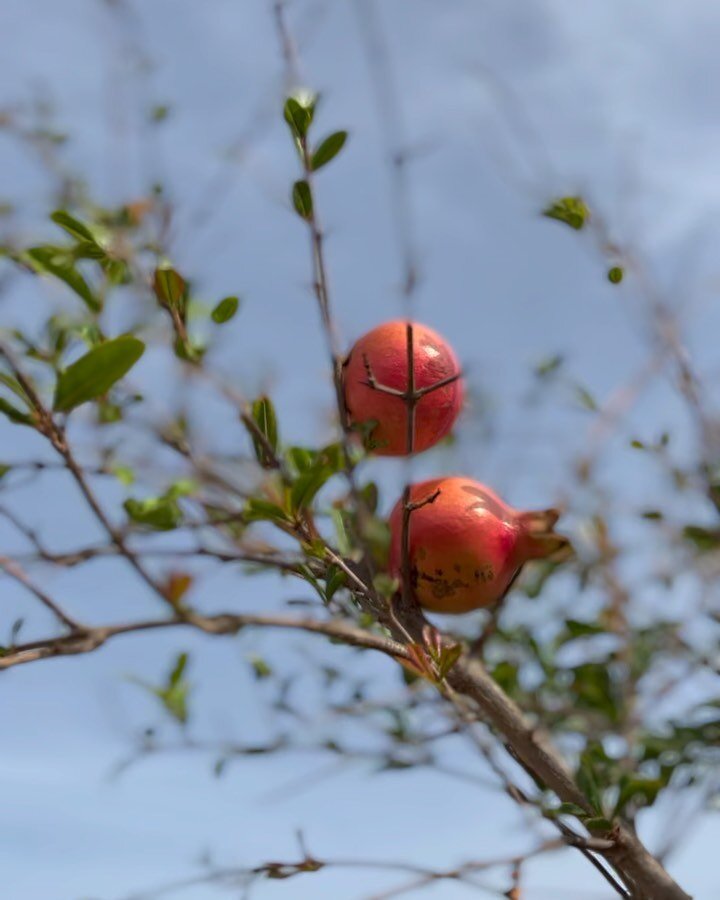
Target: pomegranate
467, 545
382, 354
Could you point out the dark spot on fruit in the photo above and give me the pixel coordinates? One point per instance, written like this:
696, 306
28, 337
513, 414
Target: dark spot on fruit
440, 587
457, 568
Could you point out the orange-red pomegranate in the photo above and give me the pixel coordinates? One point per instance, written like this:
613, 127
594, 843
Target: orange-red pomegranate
385, 350
467, 546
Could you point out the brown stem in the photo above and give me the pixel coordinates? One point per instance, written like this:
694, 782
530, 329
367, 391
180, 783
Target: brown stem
223, 623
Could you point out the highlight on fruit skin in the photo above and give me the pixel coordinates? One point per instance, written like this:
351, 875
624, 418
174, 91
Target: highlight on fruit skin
467, 546
381, 354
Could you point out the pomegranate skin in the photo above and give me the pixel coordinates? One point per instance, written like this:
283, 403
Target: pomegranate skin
385, 349
467, 546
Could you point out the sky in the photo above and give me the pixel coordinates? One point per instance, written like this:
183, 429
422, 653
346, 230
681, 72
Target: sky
504, 106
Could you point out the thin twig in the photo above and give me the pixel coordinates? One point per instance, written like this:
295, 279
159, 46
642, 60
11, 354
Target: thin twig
13, 570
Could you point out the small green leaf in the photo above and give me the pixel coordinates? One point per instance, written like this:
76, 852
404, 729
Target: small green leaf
302, 199
158, 513
174, 694
598, 824
505, 674
569, 809
300, 458
615, 275
55, 261
258, 510
15, 415
704, 539
14, 385
585, 398
339, 517
298, 112
448, 657
549, 366
74, 227
334, 580
94, 374
124, 475
638, 791
386, 585
260, 668
571, 210
225, 310
263, 415
170, 288
328, 150
306, 487
576, 628
177, 671
328, 462
4, 469
159, 113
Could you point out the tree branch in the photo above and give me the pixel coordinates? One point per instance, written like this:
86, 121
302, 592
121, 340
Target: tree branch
89, 639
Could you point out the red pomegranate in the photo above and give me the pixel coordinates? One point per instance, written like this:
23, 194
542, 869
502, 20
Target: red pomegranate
467, 546
382, 353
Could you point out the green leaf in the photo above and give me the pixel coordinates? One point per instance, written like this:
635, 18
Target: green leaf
386, 585
74, 227
4, 469
55, 261
549, 366
225, 310
638, 791
704, 539
569, 809
170, 288
370, 496
339, 517
585, 398
298, 112
302, 199
594, 689
158, 513
159, 112
576, 628
335, 579
448, 658
307, 485
124, 475
177, 671
94, 374
260, 668
258, 510
14, 385
598, 824
300, 459
329, 461
328, 150
174, 697
505, 674
15, 415
571, 210
263, 415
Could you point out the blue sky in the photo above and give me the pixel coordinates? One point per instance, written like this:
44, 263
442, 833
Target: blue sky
620, 99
